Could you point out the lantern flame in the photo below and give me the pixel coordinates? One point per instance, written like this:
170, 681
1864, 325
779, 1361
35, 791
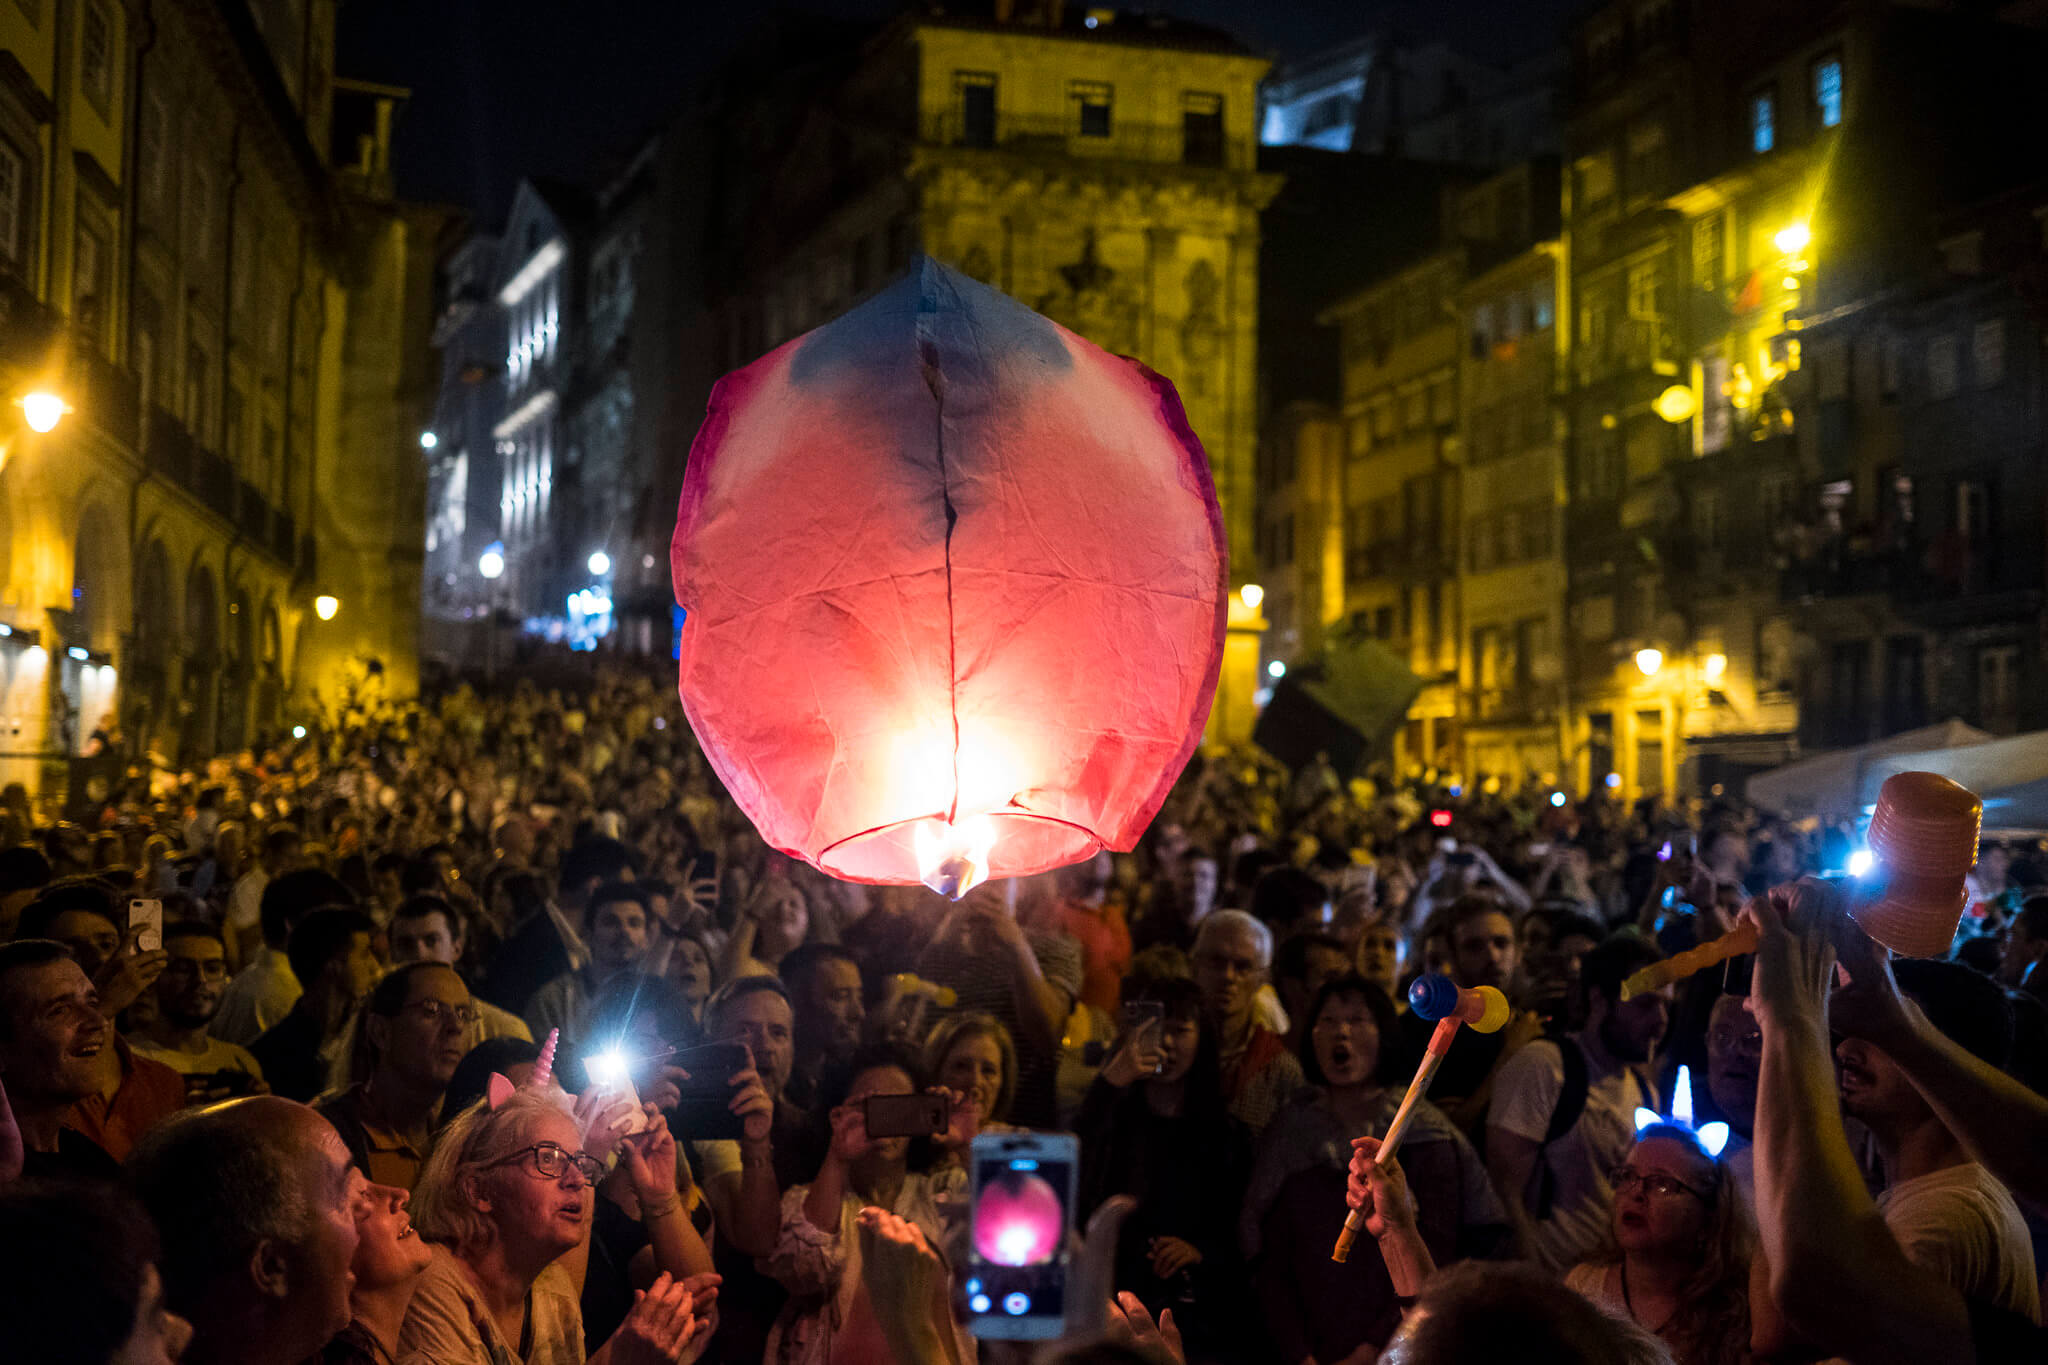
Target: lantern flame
953, 859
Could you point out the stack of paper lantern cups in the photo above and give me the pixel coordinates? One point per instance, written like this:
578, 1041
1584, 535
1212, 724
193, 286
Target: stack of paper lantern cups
1923, 839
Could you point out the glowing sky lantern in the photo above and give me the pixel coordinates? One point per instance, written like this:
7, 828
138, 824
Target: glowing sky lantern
954, 590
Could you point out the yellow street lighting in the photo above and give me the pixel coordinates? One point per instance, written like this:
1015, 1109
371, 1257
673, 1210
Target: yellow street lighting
1716, 667
1648, 661
1251, 594
1676, 404
42, 410
1793, 238
325, 606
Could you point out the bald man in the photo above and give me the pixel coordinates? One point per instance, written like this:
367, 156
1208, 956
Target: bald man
255, 1199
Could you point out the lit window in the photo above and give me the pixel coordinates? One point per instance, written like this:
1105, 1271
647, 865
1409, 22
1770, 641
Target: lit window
1763, 122
1827, 90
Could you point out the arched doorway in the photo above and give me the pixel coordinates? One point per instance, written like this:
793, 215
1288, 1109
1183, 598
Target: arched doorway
239, 670
269, 675
148, 720
85, 696
198, 703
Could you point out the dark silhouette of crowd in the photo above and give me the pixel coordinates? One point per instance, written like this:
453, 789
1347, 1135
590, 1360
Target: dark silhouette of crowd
310, 1118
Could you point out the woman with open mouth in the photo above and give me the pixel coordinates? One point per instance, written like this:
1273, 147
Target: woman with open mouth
390, 1258
508, 1193
1676, 1258
1313, 1306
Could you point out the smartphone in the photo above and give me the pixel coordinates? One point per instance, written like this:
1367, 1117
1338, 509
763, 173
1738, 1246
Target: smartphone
1017, 1254
149, 914
704, 867
706, 1108
613, 1071
889, 1116
1136, 1014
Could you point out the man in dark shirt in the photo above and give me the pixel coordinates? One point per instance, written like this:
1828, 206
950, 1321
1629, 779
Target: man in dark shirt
332, 957
51, 1037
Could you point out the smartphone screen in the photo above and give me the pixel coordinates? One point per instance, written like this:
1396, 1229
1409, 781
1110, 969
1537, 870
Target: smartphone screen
1017, 1256
888, 1116
149, 914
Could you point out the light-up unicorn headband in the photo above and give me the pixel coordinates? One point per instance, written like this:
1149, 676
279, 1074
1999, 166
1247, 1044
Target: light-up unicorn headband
1712, 1136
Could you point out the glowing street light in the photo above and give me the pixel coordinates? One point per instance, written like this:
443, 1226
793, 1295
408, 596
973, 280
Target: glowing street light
1793, 239
1676, 404
1251, 594
1716, 666
1276, 669
428, 440
42, 410
1648, 661
600, 562
491, 562
324, 606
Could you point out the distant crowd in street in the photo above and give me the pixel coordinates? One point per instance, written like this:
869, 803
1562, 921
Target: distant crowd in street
302, 1121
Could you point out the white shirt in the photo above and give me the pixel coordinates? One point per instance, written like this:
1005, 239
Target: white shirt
261, 994
245, 902
1963, 1225
1525, 1095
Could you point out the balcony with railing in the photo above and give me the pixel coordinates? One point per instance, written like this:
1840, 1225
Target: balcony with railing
1195, 142
175, 455
1634, 346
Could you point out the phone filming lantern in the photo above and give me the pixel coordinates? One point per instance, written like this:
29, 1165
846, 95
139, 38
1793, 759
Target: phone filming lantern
954, 590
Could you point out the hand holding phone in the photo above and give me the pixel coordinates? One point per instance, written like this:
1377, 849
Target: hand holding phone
894, 1116
1023, 1206
1137, 1050
146, 917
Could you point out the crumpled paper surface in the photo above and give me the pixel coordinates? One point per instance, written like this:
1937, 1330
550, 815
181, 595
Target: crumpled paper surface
943, 558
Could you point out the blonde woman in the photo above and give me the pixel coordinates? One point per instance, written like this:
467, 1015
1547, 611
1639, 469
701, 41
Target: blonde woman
506, 1198
1676, 1257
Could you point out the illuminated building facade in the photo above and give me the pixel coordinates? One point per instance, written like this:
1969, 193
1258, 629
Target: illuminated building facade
1098, 165
242, 440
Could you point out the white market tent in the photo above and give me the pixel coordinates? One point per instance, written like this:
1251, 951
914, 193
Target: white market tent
2011, 775
1831, 784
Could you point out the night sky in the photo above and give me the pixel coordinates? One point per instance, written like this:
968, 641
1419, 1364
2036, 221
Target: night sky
504, 88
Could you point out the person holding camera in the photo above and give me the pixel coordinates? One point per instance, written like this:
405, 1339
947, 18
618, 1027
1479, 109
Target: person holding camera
829, 1316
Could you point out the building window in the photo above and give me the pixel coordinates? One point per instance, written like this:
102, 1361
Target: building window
1998, 687
1941, 366
1642, 291
977, 94
1091, 100
1763, 121
155, 150
96, 54
13, 197
195, 392
88, 281
231, 419
1827, 91
1201, 129
1595, 176
1709, 249
1987, 353
1542, 305
202, 214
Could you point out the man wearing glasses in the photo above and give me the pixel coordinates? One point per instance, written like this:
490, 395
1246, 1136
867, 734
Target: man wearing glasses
413, 1031
188, 995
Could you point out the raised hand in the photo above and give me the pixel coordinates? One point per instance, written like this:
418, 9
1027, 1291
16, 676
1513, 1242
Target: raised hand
123, 978
1130, 1324
750, 1101
1379, 1189
662, 1328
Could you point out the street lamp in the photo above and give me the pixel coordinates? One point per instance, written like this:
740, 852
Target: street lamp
1648, 661
600, 563
1715, 666
1251, 594
42, 410
1793, 239
428, 440
325, 605
1676, 404
491, 562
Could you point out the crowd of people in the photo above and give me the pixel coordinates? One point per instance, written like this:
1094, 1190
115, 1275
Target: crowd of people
308, 1118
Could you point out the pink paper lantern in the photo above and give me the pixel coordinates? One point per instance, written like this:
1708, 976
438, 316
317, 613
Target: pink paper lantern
954, 590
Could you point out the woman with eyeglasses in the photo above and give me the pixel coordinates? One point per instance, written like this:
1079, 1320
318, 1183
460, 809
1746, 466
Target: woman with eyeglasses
506, 1200
1676, 1257
401, 1051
